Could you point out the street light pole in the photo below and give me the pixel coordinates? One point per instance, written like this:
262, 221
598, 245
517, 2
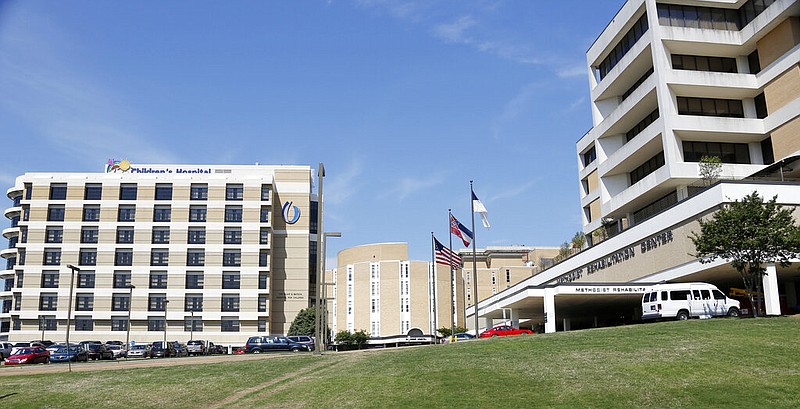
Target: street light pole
320, 270
69, 308
130, 307
191, 328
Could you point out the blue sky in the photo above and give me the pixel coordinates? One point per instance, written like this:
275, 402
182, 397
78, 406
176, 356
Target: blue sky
403, 101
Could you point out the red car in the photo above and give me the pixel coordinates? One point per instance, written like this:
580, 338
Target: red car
29, 356
504, 330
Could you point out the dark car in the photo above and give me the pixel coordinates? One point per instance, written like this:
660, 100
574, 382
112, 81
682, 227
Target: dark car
99, 351
159, 350
461, 336
180, 349
303, 339
257, 345
75, 354
28, 355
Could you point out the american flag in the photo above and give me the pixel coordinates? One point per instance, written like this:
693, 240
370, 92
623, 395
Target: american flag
444, 255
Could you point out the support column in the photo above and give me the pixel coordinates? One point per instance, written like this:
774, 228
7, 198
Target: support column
485, 323
567, 323
514, 318
549, 310
772, 303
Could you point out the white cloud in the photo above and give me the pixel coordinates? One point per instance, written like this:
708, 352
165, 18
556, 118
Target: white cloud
408, 186
455, 32
512, 192
569, 72
342, 183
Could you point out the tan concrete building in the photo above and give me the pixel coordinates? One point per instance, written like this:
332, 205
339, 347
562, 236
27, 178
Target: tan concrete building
376, 288
218, 252
671, 82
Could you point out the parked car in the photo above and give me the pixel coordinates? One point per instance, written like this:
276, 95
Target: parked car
99, 351
503, 331
180, 349
117, 350
20, 345
5, 349
196, 347
687, 300
257, 345
139, 351
29, 355
303, 339
217, 349
160, 350
75, 354
461, 336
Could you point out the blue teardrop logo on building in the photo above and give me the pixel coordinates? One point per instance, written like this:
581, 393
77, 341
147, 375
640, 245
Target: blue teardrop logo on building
287, 207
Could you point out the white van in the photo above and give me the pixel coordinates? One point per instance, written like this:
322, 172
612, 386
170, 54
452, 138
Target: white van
686, 300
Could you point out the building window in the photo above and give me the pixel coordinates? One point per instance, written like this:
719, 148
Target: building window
20, 278
49, 279
230, 280
194, 280
727, 152
89, 235
625, 44
636, 84
197, 235
158, 279
231, 258
123, 257
589, 156
156, 302
47, 301
199, 192
84, 302
262, 324
119, 323
234, 192
233, 213
266, 190
156, 323
127, 191
263, 237
87, 257
263, 302
655, 207
162, 213
84, 323
124, 235
642, 125
159, 257
647, 168
197, 213
193, 324
233, 235
229, 324
91, 213
265, 211
160, 235
163, 191
120, 302
494, 278
54, 234
93, 191
263, 258
52, 257
55, 213
48, 323
230, 302
727, 108
85, 279
193, 302
126, 213
753, 62
122, 279
58, 191
703, 63
195, 257
263, 280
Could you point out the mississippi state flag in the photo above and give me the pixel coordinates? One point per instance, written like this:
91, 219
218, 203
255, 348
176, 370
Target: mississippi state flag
461, 231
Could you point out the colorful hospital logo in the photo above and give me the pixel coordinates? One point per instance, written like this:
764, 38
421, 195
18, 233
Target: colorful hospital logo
289, 208
114, 166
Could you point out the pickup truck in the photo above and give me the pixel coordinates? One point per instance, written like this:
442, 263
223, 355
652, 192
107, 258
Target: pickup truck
196, 347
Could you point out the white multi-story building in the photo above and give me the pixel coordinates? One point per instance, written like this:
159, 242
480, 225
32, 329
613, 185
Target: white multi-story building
218, 252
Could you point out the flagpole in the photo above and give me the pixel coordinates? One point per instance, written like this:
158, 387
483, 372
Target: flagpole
432, 298
452, 276
474, 262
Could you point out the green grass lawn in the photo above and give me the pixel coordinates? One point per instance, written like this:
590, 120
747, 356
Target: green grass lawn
700, 363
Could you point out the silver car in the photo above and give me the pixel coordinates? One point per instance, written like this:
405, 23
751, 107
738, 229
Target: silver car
139, 351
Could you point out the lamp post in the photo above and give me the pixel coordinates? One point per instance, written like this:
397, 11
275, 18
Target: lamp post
191, 328
130, 305
324, 297
166, 302
320, 269
69, 308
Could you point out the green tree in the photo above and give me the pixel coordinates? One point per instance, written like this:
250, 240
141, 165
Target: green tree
446, 332
749, 234
360, 338
344, 338
710, 169
304, 323
578, 240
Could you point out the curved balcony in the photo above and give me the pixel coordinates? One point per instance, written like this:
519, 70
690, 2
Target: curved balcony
6, 274
11, 232
8, 253
14, 191
12, 212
